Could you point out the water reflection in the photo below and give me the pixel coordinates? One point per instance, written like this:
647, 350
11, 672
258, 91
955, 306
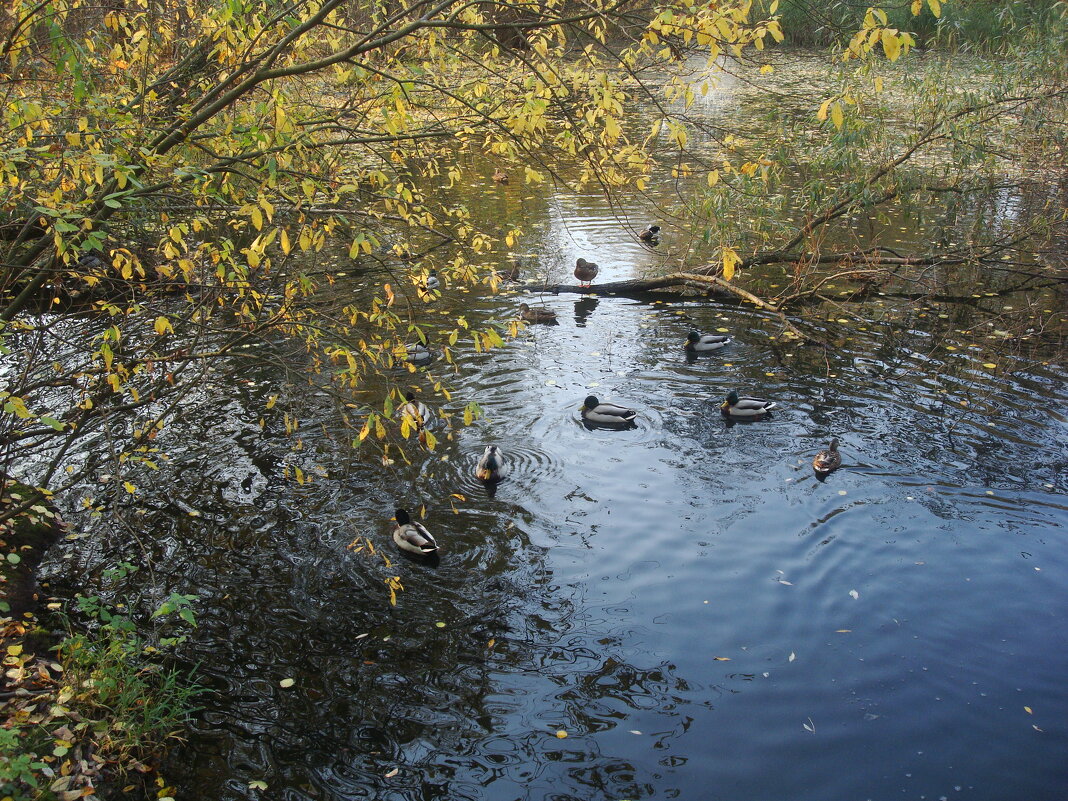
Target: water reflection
584, 308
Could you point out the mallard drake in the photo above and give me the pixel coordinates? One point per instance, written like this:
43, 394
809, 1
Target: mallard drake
417, 411
828, 460
704, 343
585, 271
490, 465
651, 233
432, 281
735, 406
419, 354
536, 315
606, 413
411, 535
500, 176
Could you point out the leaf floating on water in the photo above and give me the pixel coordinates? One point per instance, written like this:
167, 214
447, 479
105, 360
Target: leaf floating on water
440, 624
990, 366
843, 631
550, 383
360, 636
810, 726
458, 496
842, 492
1036, 728
561, 734
635, 731
257, 784
793, 656
392, 773
854, 594
722, 658
287, 682
722, 330
1027, 709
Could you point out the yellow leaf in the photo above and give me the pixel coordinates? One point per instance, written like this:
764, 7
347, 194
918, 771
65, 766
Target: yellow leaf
936, 7
917, 6
1027, 709
821, 115
891, 44
836, 115
286, 246
730, 261
722, 658
130, 488
162, 326
561, 734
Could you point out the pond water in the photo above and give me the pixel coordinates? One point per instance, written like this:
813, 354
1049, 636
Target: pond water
701, 616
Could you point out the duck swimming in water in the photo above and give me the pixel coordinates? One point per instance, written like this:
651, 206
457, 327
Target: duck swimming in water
536, 315
490, 465
416, 410
606, 413
706, 343
412, 536
829, 460
745, 407
650, 234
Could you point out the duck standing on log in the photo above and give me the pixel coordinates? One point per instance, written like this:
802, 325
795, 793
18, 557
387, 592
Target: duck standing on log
585, 271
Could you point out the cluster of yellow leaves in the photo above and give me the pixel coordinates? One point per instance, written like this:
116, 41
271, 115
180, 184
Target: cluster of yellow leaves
875, 31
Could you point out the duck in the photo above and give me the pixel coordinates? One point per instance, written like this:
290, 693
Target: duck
411, 535
419, 354
743, 407
606, 413
500, 176
536, 315
651, 233
705, 343
829, 460
432, 281
585, 271
416, 410
513, 273
490, 465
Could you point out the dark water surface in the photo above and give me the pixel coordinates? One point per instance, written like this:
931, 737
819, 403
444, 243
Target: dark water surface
701, 616
682, 599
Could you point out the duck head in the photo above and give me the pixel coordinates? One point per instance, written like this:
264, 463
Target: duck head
591, 402
401, 516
